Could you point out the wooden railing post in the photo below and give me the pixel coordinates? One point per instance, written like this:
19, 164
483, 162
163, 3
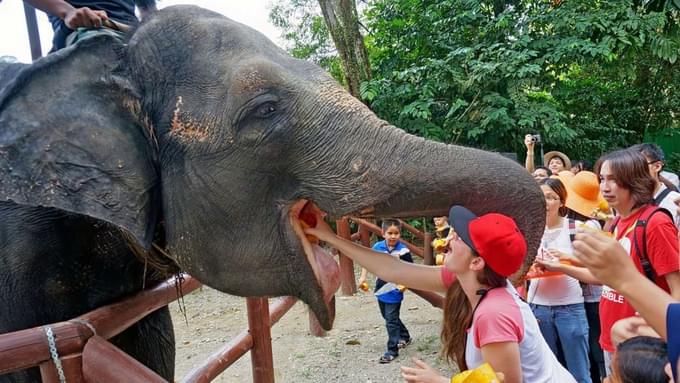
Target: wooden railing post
347, 282
365, 235
105, 363
261, 353
428, 258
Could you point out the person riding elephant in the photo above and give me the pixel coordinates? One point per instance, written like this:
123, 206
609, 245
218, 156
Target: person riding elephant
195, 136
74, 20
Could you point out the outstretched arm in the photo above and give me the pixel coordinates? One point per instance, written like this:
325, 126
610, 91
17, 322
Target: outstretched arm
581, 273
383, 265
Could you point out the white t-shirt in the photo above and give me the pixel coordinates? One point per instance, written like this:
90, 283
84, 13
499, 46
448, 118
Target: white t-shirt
560, 289
668, 204
502, 316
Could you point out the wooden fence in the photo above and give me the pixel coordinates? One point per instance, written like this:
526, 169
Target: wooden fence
85, 355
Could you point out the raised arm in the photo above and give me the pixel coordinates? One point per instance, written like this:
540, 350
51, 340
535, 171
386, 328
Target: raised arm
529, 162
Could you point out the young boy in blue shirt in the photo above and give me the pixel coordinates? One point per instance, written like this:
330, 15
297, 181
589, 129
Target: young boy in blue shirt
389, 294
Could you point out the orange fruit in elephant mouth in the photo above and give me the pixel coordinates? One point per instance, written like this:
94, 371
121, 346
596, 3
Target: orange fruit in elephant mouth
308, 219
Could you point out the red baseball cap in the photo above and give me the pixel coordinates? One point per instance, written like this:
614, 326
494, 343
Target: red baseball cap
494, 237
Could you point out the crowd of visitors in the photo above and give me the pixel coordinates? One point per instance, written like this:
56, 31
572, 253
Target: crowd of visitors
602, 306
643, 218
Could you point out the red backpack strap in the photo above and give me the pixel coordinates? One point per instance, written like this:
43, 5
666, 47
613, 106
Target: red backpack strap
641, 245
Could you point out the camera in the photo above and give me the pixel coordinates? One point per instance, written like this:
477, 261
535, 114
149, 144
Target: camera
536, 138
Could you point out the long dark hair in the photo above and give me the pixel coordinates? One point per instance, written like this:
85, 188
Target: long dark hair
631, 172
558, 187
458, 316
641, 360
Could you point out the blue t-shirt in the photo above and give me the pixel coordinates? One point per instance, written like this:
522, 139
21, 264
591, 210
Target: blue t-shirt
388, 292
673, 335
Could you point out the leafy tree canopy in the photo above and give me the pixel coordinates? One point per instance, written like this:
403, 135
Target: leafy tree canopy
588, 75
306, 34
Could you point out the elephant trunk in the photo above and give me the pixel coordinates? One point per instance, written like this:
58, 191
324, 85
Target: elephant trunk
399, 175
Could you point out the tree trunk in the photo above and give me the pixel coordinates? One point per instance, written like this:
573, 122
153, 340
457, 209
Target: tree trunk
343, 24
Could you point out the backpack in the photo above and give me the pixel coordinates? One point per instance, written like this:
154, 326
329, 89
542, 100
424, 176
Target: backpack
640, 231
661, 196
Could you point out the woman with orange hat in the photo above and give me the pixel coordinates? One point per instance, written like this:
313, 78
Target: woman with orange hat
586, 204
485, 320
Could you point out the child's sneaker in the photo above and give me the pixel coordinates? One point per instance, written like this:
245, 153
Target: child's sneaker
387, 358
403, 343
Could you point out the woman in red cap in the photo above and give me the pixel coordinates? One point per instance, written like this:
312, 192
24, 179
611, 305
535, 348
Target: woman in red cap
485, 320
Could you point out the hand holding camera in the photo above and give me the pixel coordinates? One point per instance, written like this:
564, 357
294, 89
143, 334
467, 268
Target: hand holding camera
530, 140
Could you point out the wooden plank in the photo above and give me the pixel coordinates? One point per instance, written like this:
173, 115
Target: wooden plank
48, 372
71, 366
105, 363
347, 280
428, 257
416, 233
219, 361
113, 319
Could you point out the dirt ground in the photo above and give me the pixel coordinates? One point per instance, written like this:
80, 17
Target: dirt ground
348, 353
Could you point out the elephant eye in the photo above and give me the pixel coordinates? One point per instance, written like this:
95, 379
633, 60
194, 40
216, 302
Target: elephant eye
265, 110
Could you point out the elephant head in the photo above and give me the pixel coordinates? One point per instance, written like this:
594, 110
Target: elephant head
205, 124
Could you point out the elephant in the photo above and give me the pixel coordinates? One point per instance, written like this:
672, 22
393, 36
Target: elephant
199, 136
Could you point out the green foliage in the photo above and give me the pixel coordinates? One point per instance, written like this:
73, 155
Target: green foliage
304, 30
588, 75
673, 163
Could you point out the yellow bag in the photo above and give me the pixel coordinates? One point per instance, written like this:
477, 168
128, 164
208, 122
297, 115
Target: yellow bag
481, 374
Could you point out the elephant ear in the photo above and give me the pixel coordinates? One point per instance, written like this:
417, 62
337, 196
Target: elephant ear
70, 139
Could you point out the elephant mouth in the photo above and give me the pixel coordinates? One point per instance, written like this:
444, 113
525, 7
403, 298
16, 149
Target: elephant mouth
325, 268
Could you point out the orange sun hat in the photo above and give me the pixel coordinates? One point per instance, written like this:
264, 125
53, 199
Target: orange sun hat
565, 176
583, 194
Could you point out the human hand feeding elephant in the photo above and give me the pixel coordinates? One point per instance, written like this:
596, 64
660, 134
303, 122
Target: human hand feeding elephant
201, 131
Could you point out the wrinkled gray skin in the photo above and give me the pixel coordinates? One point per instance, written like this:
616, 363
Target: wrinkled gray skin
206, 124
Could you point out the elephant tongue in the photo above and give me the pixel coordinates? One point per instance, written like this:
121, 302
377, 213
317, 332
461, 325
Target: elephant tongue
327, 272
325, 268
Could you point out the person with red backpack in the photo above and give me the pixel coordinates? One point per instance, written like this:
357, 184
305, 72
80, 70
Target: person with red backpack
645, 231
